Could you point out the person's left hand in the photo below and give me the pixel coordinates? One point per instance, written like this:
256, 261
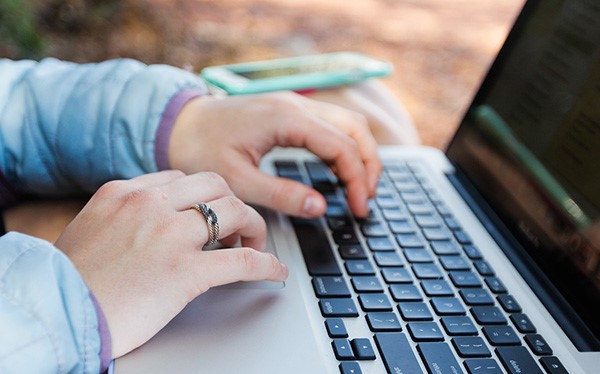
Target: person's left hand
230, 135
138, 246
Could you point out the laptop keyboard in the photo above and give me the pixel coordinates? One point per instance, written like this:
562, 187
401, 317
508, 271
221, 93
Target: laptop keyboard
414, 276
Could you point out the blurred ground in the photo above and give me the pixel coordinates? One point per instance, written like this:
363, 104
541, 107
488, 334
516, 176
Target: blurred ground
440, 48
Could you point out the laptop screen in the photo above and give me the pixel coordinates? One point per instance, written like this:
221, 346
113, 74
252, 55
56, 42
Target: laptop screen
530, 145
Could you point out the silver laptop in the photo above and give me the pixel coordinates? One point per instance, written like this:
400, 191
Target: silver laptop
485, 259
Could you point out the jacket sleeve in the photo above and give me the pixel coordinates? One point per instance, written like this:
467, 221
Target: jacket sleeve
67, 127
50, 323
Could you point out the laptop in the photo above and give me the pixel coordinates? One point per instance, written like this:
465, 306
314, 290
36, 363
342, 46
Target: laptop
482, 259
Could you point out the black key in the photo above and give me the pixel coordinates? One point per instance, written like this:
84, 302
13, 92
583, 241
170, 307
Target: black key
452, 223
339, 223
488, 315
410, 240
352, 252
342, 349
483, 268
388, 202
444, 306
345, 237
366, 284
383, 321
363, 350
337, 210
459, 325
394, 214
374, 302
414, 311
436, 233
517, 360
413, 197
338, 308
402, 227
438, 358
397, 353
436, 287
538, 344
330, 286
472, 346
350, 367
359, 267
553, 365
476, 296
445, 248
427, 220
383, 259
472, 252
315, 247
396, 275
319, 172
425, 331
375, 229
336, 328
495, 285
509, 304
288, 169
427, 271
464, 279
462, 237
405, 292
501, 335
415, 209
454, 263
380, 244
417, 255
523, 323
483, 366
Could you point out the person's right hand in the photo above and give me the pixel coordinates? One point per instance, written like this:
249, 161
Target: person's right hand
229, 136
138, 246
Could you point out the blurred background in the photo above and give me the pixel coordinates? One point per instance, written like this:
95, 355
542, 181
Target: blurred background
440, 48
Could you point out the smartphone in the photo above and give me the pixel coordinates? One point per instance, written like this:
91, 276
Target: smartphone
303, 73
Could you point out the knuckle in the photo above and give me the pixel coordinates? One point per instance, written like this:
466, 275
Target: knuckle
142, 197
217, 180
112, 189
248, 259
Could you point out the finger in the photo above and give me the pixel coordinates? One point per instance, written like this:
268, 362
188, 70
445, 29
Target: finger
338, 149
235, 219
356, 126
281, 194
195, 188
239, 264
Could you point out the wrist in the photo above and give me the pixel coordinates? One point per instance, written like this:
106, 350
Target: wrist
164, 132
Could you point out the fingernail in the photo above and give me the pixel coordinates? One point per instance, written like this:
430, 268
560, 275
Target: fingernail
285, 270
313, 206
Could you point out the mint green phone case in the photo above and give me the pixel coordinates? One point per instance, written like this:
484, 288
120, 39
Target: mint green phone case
295, 73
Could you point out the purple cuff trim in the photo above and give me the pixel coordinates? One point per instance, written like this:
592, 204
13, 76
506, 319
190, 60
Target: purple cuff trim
8, 194
105, 339
163, 133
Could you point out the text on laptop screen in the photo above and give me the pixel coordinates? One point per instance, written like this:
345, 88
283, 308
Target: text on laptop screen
530, 143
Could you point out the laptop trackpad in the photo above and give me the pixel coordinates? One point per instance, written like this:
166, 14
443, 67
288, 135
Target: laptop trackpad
258, 284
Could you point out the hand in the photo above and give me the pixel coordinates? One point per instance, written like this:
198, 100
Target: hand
388, 121
139, 248
230, 135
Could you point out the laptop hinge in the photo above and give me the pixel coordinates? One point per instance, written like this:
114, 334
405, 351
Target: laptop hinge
572, 325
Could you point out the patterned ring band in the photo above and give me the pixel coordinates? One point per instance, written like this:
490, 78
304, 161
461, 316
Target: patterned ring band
211, 220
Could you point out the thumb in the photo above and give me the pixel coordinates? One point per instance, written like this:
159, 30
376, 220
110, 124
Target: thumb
281, 194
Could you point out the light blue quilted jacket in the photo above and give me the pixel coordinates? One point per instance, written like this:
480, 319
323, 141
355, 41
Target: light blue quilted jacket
68, 128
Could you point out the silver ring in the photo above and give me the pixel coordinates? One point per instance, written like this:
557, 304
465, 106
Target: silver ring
211, 220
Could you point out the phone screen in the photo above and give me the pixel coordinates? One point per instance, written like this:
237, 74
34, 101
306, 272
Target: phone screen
275, 72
